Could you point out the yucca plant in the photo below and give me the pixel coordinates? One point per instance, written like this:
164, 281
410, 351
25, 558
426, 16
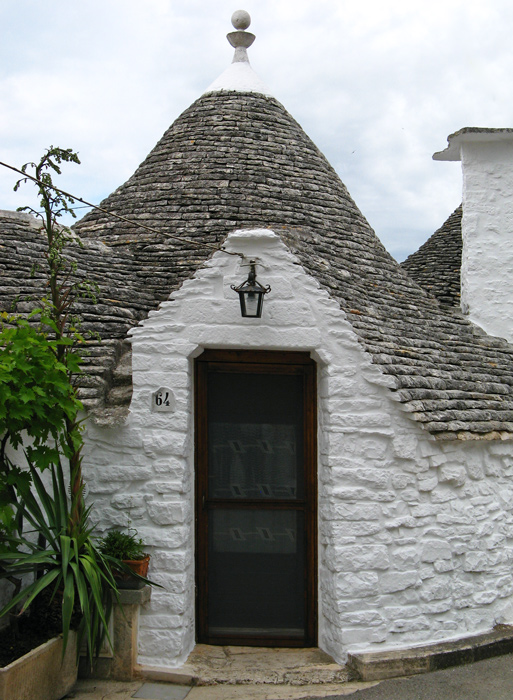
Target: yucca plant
58, 549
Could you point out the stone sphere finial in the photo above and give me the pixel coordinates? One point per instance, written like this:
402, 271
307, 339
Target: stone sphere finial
241, 19
240, 39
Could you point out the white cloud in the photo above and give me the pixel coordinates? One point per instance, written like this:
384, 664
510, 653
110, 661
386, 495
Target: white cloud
377, 85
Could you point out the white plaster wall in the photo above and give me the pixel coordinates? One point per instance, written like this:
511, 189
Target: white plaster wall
415, 537
487, 229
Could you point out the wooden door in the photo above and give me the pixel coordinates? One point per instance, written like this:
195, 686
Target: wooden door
256, 498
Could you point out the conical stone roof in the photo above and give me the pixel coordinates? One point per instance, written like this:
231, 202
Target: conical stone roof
239, 160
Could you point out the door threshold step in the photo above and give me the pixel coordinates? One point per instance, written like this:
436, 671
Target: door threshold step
216, 665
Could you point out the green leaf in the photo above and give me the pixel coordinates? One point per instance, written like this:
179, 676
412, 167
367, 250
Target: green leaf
68, 602
65, 553
28, 594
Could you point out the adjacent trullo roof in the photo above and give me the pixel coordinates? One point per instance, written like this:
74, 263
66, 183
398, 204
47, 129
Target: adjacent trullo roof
436, 265
236, 159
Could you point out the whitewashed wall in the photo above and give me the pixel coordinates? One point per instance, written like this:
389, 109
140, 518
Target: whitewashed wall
487, 230
487, 225
415, 537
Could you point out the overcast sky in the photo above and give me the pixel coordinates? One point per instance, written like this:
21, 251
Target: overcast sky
377, 84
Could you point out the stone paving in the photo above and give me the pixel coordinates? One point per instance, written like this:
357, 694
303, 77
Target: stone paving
118, 690
490, 679
230, 673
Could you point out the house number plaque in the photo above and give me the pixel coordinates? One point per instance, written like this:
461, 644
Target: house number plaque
162, 400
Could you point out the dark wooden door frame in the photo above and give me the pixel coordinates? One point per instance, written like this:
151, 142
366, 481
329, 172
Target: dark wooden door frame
257, 360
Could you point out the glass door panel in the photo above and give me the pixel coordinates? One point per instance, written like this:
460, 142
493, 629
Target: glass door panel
255, 500
256, 573
255, 436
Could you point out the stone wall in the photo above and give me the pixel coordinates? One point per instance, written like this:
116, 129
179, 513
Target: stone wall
415, 536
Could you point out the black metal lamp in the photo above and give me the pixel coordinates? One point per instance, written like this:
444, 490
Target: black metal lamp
251, 294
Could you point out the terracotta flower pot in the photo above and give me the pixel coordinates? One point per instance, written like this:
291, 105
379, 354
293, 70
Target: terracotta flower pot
138, 566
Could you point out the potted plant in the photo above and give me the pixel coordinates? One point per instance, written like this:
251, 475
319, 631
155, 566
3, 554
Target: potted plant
124, 551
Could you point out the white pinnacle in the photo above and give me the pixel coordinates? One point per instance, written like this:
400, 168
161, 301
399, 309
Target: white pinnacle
239, 76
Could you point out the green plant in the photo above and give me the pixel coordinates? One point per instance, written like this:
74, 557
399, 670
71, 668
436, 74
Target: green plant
36, 401
38, 360
70, 564
122, 545
64, 287
37, 398
124, 552
38, 366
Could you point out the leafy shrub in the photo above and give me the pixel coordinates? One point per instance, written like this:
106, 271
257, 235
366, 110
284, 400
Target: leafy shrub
122, 545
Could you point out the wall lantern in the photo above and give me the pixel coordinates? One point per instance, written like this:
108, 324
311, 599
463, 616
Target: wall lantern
251, 294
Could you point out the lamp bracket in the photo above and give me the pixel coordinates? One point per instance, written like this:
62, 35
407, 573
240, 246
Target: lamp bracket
249, 262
